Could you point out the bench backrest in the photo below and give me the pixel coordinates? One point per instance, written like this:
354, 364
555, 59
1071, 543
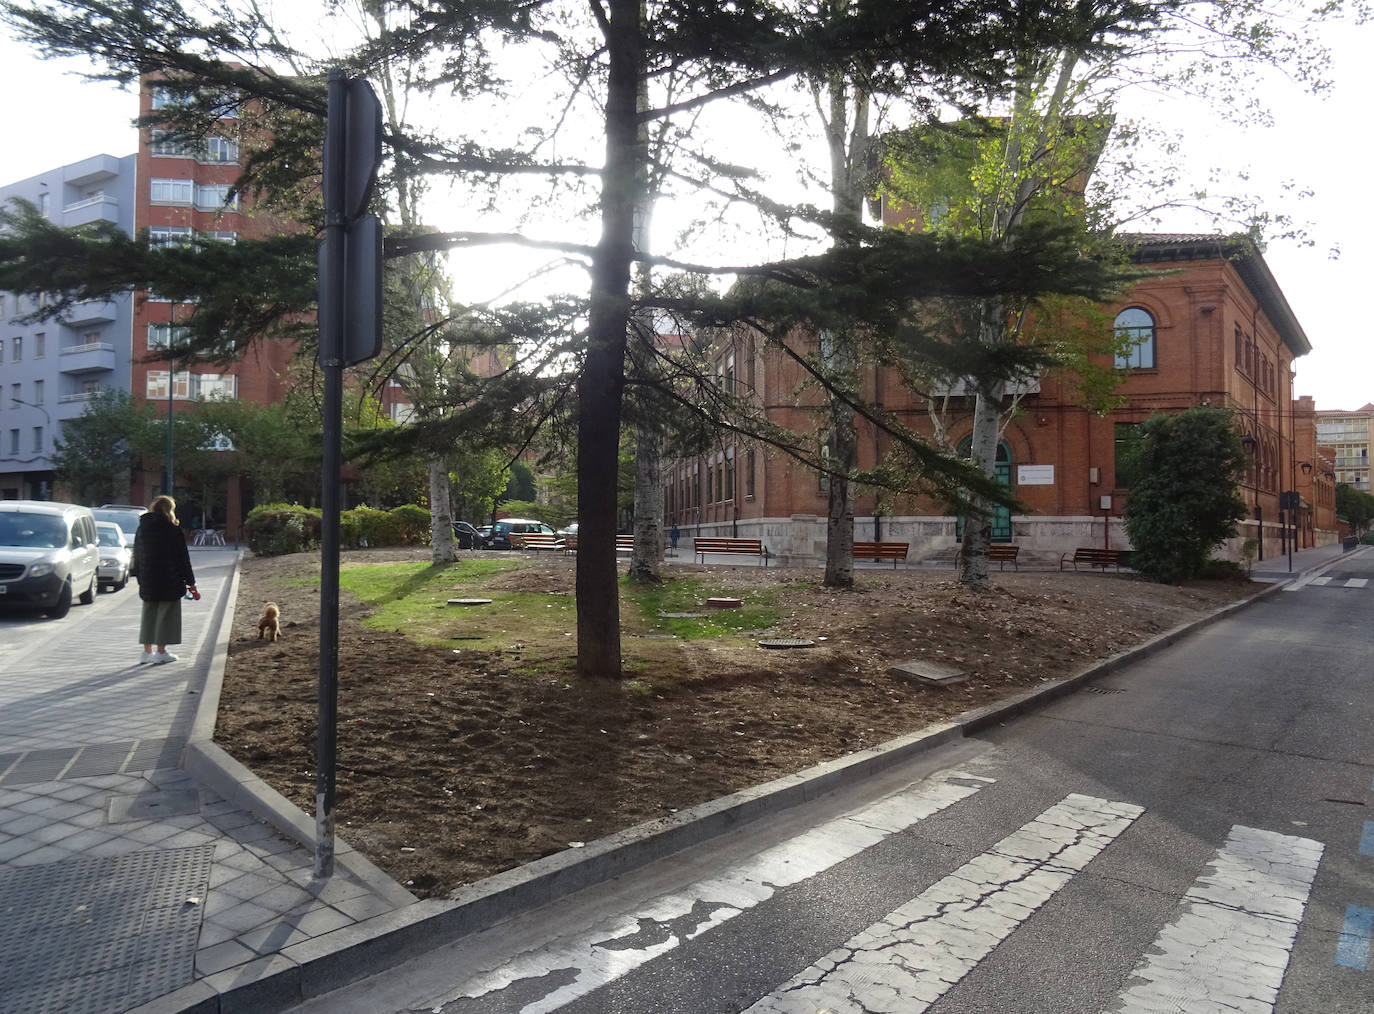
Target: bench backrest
881, 550
729, 546
1002, 551
525, 540
1095, 554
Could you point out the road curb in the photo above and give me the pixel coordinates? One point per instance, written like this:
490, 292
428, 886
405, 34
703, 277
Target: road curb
334, 960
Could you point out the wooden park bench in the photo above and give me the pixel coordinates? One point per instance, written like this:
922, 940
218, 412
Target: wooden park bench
737, 547
1000, 553
893, 551
1103, 558
623, 543
534, 540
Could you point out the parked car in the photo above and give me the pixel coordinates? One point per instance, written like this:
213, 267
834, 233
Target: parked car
48, 555
115, 553
569, 529
124, 515
501, 531
467, 536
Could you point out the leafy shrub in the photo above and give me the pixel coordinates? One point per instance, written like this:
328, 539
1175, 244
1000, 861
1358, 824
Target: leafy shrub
278, 528
367, 526
413, 523
1225, 570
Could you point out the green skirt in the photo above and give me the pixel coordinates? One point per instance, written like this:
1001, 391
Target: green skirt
160, 623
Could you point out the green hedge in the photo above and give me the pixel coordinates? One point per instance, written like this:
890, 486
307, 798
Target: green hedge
276, 529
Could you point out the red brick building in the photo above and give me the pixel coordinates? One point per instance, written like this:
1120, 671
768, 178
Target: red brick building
1213, 328
182, 191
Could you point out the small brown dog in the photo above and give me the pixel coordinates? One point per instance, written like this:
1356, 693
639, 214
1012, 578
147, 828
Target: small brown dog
269, 625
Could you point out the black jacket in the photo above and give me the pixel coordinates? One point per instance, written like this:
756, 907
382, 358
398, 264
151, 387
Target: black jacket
161, 561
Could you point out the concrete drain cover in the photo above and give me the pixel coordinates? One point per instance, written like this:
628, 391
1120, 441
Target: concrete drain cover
723, 603
935, 674
154, 805
469, 602
682, 616
88, 936
786, 642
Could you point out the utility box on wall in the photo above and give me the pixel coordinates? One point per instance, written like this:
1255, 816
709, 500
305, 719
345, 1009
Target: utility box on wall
1105, 503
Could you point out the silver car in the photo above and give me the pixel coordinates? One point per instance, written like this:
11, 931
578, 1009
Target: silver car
48, 555
115, 553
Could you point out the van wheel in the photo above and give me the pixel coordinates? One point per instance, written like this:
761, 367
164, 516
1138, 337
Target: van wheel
88, 596
64, 603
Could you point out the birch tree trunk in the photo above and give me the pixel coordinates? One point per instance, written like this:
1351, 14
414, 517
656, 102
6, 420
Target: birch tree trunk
441, 542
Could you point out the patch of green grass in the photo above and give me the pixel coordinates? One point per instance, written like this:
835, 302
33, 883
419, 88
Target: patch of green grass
762, 607
412, 599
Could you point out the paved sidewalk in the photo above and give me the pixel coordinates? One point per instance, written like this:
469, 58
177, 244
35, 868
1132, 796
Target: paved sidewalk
122, 877
1276, 568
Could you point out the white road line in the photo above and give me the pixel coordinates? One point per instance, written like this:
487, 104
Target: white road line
1321, 581
604, 953
1357, 582
1228, 949
914, 956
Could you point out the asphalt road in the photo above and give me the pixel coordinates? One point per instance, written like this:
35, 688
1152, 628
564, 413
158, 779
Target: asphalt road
1194, 833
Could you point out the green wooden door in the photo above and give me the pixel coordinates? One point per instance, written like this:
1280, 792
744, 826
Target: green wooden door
1001, 516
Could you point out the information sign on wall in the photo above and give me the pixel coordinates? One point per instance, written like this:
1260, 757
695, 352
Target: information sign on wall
1035, 475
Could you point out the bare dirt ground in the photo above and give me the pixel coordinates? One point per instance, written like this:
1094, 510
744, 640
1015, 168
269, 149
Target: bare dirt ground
452, 769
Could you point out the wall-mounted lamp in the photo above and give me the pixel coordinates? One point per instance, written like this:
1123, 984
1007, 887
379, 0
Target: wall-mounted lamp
1306, 467
1250, 444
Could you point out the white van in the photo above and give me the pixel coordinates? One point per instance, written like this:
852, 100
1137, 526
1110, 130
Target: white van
49, 554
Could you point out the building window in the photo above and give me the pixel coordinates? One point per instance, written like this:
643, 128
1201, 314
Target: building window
1240, 349
1136, 328
730, 478
14, 441
749, 473
40, 345
38, 392
164, 97
157, 385
38, 440
221, 150
169, 144
216, 197
171, 191
169, 235
221, 236
224, 387
44, 203
160, 334
17, 350
16, 394
1124, 456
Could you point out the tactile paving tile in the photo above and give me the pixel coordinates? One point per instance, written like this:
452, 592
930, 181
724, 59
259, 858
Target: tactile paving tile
99, 935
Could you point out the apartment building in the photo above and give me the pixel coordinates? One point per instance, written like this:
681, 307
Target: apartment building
50, 369
1348, 434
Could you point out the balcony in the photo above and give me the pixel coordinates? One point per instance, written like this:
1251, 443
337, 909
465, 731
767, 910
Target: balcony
92, 170
72, 406
92, 357
91, 311
93, 209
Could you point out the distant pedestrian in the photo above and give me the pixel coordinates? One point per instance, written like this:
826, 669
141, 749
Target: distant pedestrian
673, 536
162, 565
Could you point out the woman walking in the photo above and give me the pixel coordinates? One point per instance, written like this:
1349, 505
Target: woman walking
162, 565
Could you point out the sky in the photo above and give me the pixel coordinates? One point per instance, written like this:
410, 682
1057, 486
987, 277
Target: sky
53, 117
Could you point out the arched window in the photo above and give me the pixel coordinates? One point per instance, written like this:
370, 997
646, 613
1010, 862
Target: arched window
1135, 327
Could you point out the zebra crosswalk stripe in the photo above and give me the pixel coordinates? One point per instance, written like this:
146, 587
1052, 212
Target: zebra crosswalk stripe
917, 953
578, 964
1229, 947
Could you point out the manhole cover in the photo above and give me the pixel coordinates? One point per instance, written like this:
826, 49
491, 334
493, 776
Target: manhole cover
786, 642
723, 603
469, 602
682, 616
930, 673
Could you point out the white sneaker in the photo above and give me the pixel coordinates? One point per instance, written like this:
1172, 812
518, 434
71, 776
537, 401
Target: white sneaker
145, 657
163, 657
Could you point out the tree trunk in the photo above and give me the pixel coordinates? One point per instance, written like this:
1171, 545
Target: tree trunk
602, 383
440, 513
987, 428
647, 562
